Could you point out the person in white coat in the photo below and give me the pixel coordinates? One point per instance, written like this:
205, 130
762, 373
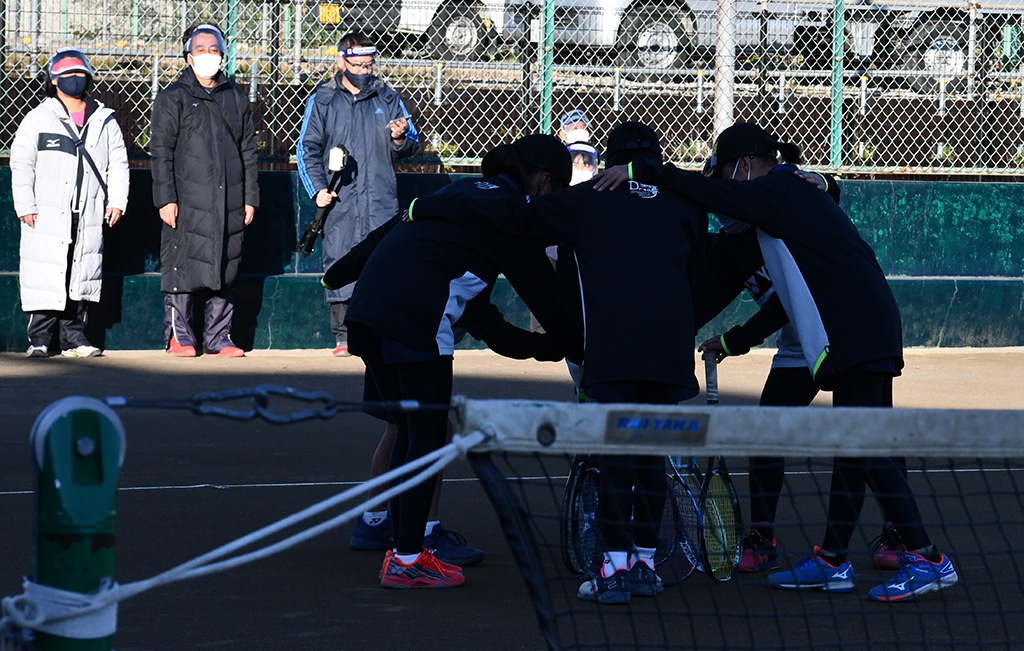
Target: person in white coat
69, 175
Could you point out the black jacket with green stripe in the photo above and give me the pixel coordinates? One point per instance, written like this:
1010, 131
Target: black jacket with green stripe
827, 277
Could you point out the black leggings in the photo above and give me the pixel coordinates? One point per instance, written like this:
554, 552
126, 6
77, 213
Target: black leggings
631, 491
884, 475
785, 387
419, 432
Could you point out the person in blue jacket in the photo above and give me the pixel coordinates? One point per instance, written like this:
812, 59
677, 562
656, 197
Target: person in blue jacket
355, 110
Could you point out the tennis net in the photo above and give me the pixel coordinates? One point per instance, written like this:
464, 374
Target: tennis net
965, 467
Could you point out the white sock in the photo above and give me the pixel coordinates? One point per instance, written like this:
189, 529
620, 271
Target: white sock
407, 559
430, 527
613, 562
645, 554
373, 518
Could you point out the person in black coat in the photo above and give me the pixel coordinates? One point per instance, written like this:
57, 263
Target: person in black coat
639, 257
832, 289
203, 145
418, 286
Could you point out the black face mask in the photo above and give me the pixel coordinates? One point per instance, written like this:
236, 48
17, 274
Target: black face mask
71, 86
359, 81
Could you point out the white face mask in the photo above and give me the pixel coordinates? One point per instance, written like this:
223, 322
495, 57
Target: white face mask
206, 65
580, 176
577, 135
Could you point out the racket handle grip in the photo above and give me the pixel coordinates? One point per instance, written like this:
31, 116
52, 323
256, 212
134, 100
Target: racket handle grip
711, 378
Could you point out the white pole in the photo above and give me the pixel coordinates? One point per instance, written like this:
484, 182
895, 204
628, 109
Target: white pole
725, 67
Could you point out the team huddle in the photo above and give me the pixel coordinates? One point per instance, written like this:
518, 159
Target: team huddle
634, 237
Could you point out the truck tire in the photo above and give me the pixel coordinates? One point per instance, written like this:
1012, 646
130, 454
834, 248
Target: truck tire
458, 33
656, 36
938, 49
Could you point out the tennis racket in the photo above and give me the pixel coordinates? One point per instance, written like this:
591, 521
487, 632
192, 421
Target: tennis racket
579, 532
719, 504
680, 538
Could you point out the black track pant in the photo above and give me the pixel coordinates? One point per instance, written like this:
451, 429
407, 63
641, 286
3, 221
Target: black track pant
884, 475
419, 432
785, 387
631, 490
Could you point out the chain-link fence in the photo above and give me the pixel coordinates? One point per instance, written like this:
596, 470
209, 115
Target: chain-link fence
918, 86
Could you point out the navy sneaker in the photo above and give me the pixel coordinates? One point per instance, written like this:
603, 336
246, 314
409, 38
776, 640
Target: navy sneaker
812, 572
451, 547
378, 537
643, 581
917, 576
614, 589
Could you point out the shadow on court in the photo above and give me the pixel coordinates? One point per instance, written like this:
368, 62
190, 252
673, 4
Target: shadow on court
191, 483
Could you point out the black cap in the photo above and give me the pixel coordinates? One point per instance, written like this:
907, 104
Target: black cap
741, 139
546, 153
631, 140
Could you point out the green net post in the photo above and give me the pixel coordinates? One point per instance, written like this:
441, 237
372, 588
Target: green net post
78, 446
547, 62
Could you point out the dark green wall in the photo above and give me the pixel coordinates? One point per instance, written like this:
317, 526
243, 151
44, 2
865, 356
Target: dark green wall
954, 253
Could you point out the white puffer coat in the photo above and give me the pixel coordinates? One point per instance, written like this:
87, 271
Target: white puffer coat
44, 169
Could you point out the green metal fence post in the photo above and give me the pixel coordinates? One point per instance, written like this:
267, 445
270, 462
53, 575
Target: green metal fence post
836, 134
232, 35
78, 445
547, 46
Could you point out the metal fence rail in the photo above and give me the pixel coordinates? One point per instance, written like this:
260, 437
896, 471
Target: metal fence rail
921, 87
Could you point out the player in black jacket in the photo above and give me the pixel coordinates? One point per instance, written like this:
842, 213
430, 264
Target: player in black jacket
837, 297
639, 254
420, 281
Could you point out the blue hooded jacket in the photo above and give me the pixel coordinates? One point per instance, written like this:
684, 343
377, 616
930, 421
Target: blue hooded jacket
368, 194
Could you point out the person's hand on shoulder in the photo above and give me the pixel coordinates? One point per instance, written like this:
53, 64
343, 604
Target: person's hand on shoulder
813, 178
611, 178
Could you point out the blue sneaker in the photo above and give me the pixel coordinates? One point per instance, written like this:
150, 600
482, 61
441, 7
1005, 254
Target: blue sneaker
917, 576
377, 537
813, 572
643, 581
451, 547
614, 589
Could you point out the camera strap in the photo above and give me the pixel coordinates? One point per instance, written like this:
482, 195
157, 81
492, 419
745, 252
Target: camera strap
83, 154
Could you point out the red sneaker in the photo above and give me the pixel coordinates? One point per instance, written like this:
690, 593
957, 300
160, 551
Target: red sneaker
341, 350
425, 572
230, 351
759, 553
888, 549
176, 349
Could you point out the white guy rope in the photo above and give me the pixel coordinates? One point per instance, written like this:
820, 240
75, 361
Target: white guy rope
83, 615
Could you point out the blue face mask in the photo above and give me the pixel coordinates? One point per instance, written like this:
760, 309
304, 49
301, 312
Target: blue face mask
359, 81
72, 86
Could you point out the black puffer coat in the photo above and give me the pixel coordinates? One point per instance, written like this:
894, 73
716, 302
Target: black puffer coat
210, 173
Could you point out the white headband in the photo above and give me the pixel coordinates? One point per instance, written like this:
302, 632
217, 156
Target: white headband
364, 51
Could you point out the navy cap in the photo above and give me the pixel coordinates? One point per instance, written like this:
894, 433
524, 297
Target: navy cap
546, 153
631, 140
575, 115
741, 139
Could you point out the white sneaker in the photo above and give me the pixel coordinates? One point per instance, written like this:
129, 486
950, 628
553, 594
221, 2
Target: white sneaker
82, 351
37, 351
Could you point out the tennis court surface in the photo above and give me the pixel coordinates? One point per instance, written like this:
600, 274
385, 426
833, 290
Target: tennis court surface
191, 483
